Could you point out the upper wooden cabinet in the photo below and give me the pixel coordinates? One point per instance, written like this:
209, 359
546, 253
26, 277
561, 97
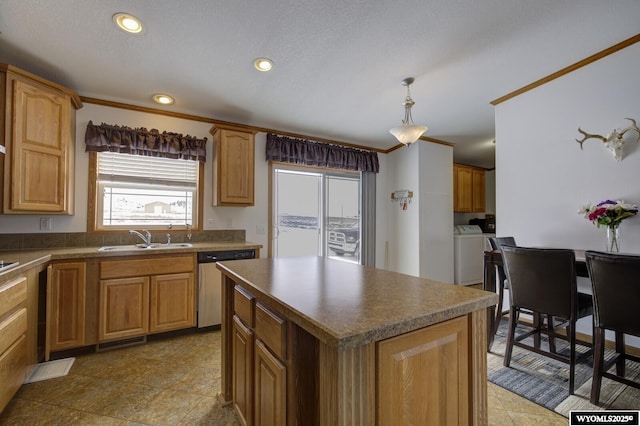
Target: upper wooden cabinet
37, 128
468, 189
233, 166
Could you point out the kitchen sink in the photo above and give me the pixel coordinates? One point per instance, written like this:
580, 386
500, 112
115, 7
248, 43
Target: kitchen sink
143, 247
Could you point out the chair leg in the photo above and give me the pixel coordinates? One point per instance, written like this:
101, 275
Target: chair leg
621, 352
598, 361
536, 325
552, 339
513, 320
571, 330
496, 323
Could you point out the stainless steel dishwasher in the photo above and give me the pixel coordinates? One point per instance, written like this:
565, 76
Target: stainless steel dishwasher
210, 284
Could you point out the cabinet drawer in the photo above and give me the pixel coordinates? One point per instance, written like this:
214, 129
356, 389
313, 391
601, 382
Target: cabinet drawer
139, 267
12, 328
243, 303
12, 294
271, 329
12, 370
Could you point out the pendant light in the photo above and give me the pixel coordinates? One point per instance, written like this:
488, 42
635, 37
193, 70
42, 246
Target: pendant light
408, 132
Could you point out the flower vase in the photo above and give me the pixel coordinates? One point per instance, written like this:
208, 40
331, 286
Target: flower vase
613, 239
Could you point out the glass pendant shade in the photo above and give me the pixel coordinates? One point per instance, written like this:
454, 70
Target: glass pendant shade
408, 133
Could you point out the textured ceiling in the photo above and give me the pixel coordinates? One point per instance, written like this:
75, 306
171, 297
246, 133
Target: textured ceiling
338, 63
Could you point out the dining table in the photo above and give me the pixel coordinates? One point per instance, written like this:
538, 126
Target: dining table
493, 259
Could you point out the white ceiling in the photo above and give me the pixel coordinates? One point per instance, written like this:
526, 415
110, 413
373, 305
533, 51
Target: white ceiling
338, 63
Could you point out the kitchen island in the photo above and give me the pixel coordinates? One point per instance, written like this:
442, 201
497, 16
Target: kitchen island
315, 341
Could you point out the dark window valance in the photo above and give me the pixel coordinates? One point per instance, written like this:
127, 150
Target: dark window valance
298, 151
106, 137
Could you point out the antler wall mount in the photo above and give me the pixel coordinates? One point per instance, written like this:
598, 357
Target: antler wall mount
614, 141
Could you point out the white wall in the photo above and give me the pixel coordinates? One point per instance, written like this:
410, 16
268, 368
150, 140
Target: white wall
420, 238
542, 176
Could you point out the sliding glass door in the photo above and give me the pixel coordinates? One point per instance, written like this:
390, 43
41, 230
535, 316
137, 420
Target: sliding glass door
316, 213
297, 213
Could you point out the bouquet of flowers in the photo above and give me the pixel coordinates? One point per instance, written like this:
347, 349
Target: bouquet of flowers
608, 213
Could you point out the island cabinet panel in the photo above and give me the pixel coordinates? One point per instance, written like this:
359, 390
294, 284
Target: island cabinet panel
66, 289
270, 388
259, 362
371, 364
243, 371
124, 308
347, 383
172, 304
433, 364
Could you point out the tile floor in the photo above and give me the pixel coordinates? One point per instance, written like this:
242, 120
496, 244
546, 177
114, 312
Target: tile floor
174, 382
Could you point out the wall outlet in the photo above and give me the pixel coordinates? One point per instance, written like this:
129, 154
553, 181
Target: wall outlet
211, 223
45, 224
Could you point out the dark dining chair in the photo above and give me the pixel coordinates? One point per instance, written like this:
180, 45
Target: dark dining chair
543, 282
503, 284
615, 281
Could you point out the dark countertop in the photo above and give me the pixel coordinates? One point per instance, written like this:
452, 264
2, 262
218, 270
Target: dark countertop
349, 305
28, 259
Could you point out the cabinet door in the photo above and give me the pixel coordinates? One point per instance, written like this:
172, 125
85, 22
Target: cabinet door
41, 151
124, 308
66, 289
172, 303
242, 371
269, 388
479, 190
233, 168
462, 191
434, 363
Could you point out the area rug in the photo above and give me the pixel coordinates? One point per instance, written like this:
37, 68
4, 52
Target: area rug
546, 381
50, 370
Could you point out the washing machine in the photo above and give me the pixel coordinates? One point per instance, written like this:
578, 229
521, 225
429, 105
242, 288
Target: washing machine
469, 245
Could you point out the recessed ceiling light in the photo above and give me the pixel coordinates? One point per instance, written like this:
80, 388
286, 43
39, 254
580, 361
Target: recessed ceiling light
263, 64
128, 23
163, 99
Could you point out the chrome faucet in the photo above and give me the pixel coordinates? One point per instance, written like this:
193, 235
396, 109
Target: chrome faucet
147, 239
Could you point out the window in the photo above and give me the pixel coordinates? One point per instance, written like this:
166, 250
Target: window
134, 191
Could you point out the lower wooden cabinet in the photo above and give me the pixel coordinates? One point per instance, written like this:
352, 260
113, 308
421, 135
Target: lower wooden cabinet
270, 387
66, 302
13, 338
440, 353
172, 302
124, 308
242, 371
259, 372
145, 296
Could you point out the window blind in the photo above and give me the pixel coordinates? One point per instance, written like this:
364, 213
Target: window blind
125, 167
